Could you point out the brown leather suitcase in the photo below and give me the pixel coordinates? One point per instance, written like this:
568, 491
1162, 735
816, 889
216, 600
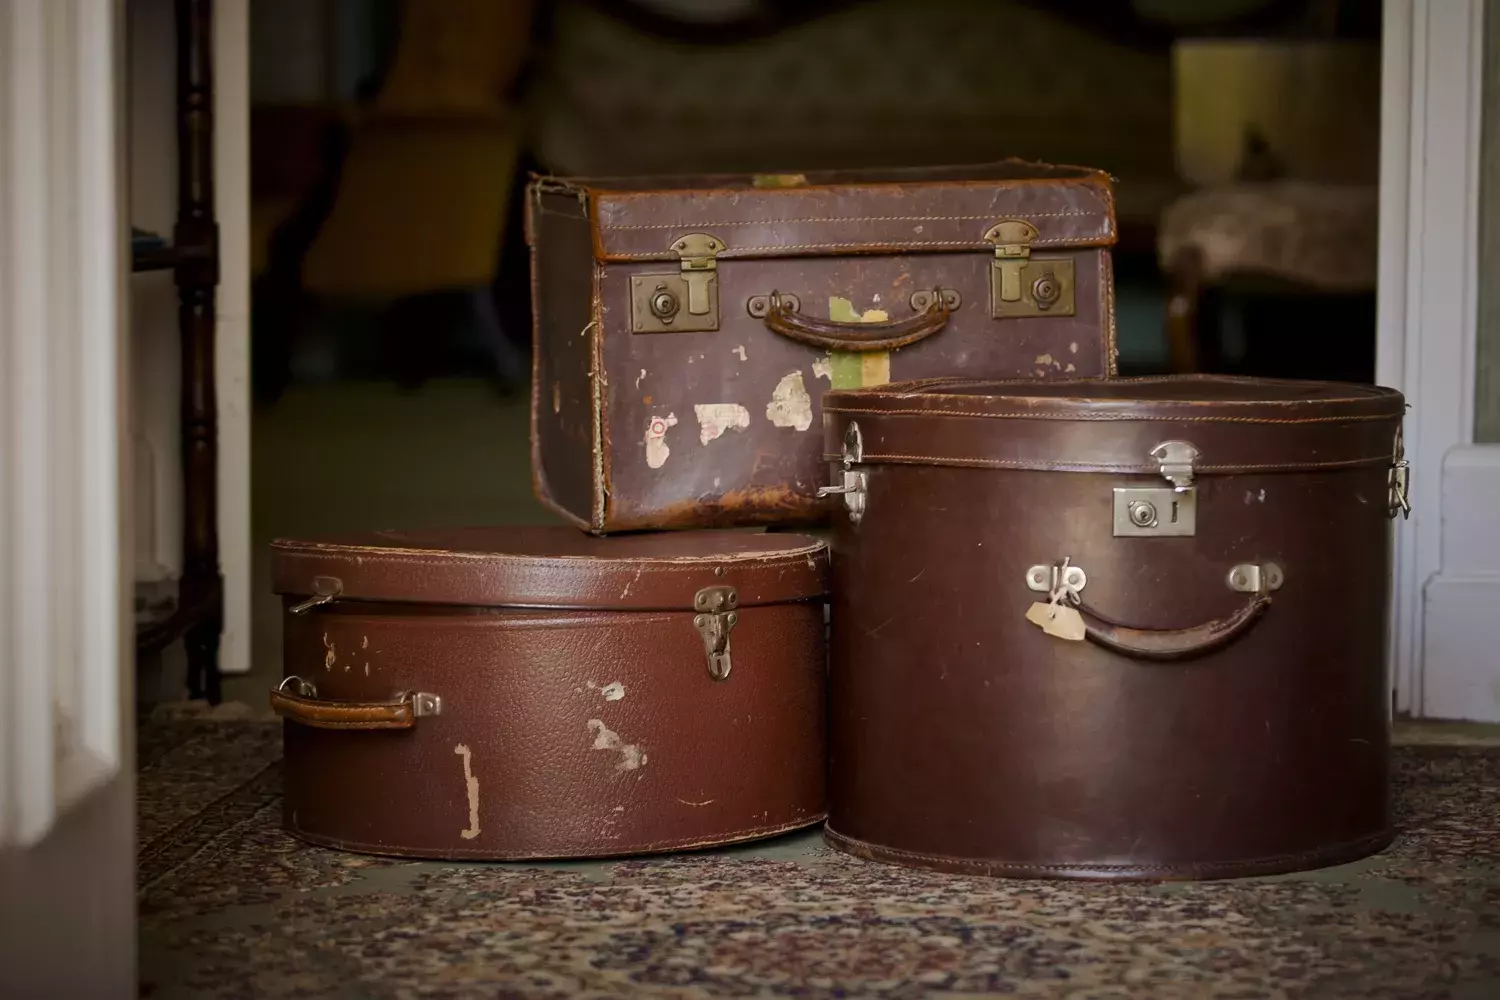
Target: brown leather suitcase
1114, 629
687, 326
541, 693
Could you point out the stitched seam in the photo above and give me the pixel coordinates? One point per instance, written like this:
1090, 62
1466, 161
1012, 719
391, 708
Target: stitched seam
1120, 417
1090, 866
948, 381
334, 548
732, 252
867, 218
1084, 464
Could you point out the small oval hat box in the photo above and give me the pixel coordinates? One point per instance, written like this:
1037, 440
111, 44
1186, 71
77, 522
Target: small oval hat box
1119, 629
536, 692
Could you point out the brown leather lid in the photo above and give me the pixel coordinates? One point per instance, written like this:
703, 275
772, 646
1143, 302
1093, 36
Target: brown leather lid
1112, 424
552, 567
899, 210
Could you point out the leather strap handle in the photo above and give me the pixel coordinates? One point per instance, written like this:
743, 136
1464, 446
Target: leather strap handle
1171, 644
781, 316
302, 705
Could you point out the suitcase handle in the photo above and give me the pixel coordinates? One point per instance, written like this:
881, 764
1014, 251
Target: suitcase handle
302, 705
781, 315
1171, 644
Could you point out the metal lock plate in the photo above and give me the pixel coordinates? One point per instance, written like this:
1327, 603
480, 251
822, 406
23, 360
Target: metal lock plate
1021, 285
1159, 511
685, 301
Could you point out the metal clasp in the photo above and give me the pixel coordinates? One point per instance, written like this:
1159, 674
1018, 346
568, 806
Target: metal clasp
1063, 576
684, 302
1020, 286
715, 619
1400, 480
856, 482
325, 589
424, 703
1175, 460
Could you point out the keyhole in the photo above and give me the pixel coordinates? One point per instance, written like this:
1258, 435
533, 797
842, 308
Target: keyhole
1174, 511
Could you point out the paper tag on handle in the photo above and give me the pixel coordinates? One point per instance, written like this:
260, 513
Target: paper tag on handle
1057, 619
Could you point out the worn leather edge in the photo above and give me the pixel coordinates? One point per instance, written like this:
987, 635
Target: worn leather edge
1323, 857
482, 854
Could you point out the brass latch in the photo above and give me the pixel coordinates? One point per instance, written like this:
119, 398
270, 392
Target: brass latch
1021, 285
715, 618
684, 302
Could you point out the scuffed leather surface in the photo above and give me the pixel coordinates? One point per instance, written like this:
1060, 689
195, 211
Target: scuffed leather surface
872, 239
587, 734
1038, 754
554, 566
1095, 425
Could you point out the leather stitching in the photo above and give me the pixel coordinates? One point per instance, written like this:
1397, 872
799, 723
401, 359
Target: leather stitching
973, 864
872, 458
1119, 417
867, 218
791, 557
731, 252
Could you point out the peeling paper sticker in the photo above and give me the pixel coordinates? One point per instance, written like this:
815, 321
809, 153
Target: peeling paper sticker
331, 657
1071, 367
841, 310
639, 377
790, 405
716, 418
613, 691
631, 756
556, 397
471, 785
741, 352
823, 368
656, 440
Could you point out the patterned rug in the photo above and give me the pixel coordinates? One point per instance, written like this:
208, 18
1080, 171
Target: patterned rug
231, 907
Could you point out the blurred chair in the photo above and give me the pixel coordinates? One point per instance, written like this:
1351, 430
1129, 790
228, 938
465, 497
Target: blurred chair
1293, 240
1280, 139
419, 204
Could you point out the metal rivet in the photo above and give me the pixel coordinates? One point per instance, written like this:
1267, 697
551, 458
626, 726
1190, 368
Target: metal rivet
718, 571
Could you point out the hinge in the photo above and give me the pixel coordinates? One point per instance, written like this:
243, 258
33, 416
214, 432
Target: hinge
1021, 285
686, 301
715, 619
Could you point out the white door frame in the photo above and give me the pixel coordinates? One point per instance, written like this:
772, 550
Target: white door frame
1432, 87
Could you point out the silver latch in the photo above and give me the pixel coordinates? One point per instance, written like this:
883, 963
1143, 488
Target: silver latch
325, 589
714, 621
855, 481
1175, 460
1400, 480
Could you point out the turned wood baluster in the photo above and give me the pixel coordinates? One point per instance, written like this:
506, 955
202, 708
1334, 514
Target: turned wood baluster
196, 237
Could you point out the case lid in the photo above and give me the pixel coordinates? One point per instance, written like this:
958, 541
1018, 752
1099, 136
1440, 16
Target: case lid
1116, 424
551, 567
820, 213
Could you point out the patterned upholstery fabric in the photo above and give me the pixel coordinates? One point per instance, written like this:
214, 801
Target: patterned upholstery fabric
887, 82
1322, 236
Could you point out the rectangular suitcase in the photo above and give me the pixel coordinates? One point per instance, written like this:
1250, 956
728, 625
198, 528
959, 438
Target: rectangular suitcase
542, 693
1132, 628
685, 327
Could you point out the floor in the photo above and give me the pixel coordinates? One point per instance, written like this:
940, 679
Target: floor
232, 907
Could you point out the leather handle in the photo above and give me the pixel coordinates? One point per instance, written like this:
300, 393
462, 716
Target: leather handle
781, 316
303, 706
1171, 644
